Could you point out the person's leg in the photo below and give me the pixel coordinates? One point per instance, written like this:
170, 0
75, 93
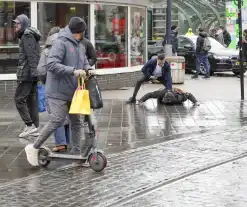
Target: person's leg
137, 88
58, 112
191, 98
21, 95
155, 94
198, 64
67, 133
206, 66
76, 133
32, 104
60, 139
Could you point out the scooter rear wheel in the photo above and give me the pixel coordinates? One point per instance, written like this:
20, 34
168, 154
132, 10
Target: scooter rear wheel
97, 162
43, 157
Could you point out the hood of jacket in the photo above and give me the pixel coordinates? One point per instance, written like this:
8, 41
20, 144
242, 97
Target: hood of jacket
51, 40
24, 22
67, 34
33, 31
203, 34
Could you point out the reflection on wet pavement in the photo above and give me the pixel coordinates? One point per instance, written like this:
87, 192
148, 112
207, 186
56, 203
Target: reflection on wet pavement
121, 127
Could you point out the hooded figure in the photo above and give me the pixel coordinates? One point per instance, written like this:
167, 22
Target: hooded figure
29, 49
226, 36
42, 67
220, 37
26, 91
189, 33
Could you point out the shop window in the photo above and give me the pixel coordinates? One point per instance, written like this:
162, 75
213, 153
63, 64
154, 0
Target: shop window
59, 14
138, 36
111, 40
8, 40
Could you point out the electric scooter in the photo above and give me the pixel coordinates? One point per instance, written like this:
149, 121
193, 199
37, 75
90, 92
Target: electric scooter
91, 154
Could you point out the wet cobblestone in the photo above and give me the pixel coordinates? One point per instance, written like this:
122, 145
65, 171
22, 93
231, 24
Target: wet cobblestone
128, 172
225, 185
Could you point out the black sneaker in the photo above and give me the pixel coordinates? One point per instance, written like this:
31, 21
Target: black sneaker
206, 77
194, 77
131, 101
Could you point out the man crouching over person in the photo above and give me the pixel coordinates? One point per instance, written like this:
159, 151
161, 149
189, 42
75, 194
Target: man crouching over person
157, 68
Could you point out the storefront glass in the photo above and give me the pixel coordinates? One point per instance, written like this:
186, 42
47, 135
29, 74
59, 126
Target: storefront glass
59, 14
111, 42
8, 11
138, 36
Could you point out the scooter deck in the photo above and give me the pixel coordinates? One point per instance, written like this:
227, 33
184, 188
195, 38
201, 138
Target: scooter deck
66, 156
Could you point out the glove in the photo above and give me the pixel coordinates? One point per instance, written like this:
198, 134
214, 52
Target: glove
153, 78
80, 73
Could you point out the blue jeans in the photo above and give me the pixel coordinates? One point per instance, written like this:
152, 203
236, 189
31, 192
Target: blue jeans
204, 60
62, 135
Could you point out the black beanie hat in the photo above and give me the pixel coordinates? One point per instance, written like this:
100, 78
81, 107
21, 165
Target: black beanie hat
77, 25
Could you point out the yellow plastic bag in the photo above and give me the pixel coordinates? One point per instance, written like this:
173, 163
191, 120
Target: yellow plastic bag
81, 101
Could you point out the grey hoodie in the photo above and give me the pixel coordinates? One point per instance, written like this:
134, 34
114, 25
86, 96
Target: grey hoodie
42, 67
65, 56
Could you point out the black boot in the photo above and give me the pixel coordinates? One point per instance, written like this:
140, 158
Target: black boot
132, 100
194, 76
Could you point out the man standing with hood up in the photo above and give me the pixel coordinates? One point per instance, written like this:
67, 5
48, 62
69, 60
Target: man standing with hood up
66, 62
26, 91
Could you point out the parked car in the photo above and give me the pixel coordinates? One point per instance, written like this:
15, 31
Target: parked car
221, 59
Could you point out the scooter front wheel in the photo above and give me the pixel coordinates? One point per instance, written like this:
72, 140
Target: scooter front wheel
43, 157
97, 162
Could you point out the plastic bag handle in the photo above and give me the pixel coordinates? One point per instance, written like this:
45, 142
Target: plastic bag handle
81, 83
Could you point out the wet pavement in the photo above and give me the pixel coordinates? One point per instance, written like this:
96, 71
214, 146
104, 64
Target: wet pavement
157, 156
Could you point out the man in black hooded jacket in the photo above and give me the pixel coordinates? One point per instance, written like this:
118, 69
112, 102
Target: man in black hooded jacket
26, 91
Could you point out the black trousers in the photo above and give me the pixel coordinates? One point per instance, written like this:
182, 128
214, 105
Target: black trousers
156, 94
141, 81
26, 100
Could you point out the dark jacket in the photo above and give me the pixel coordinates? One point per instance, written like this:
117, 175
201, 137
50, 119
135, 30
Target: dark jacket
200, 43
174, 40
90, 51
227, 38
29, 51
42, 67
149, 68
65, 56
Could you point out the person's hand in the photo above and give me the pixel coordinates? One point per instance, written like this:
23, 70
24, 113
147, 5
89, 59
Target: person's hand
153, 78
80, 73
91, 72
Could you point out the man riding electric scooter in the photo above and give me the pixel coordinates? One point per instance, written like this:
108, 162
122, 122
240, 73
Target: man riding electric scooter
66, 62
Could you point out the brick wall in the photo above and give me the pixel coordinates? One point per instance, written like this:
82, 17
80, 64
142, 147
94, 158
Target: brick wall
106, 82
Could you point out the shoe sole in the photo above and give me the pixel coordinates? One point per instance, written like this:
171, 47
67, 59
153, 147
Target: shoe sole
32, 133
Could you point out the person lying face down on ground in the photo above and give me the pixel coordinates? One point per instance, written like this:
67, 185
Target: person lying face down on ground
174, 96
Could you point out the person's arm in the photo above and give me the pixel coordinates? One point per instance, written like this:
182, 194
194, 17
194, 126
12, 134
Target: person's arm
55, 59
146, 69
42, 66
198, 49
29, 47
91, 54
